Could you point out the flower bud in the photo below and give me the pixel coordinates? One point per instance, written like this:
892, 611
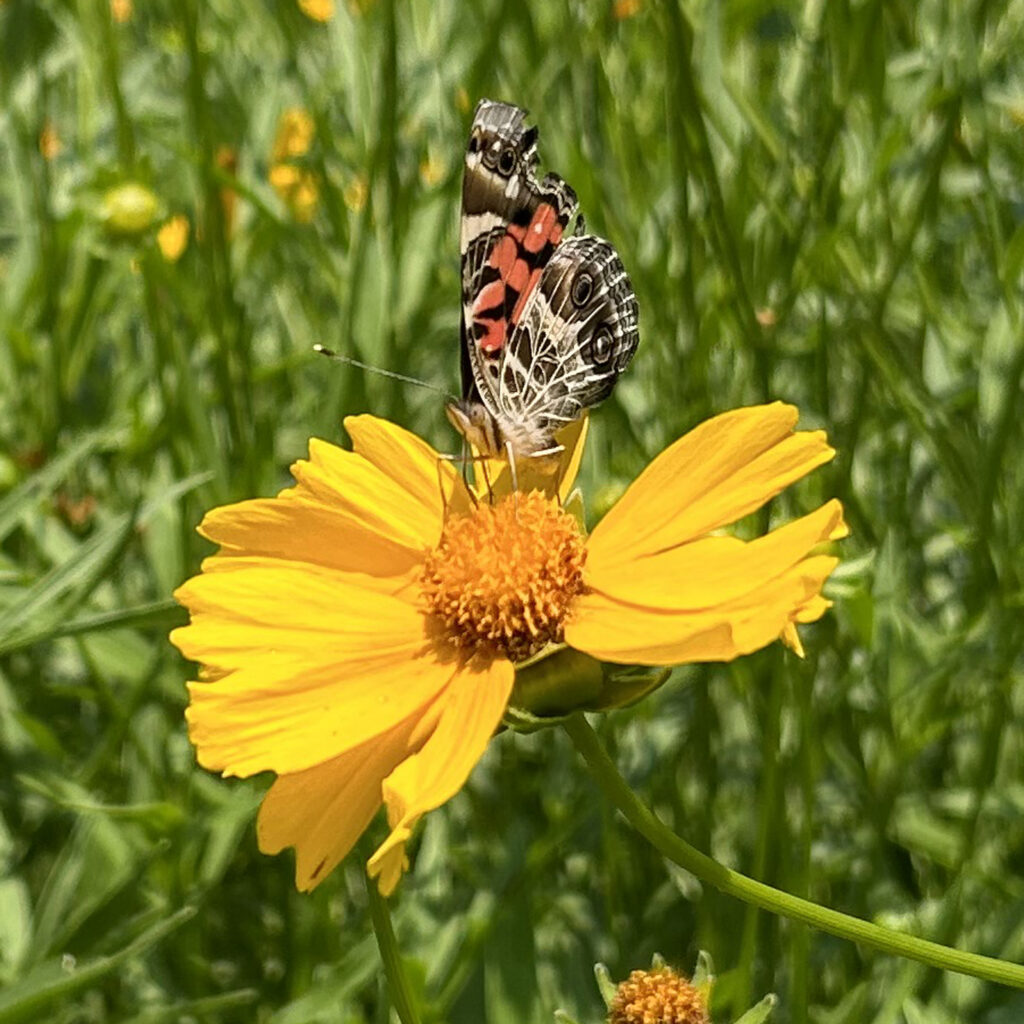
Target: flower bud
129, 209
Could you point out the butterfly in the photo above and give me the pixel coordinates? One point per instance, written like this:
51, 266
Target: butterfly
548, 321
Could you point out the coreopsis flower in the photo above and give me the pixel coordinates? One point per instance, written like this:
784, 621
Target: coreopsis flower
295, 133
658, 996
317, 10
360, 632
172, 238
295, 183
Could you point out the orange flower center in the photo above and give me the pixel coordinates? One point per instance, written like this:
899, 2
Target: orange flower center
502, 579
659, 996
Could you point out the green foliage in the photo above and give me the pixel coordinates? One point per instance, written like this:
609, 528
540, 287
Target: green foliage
821, 202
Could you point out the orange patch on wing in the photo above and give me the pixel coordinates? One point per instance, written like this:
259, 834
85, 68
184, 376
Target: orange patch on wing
494, 339
491, 296
504, 255
519, 276
525, 294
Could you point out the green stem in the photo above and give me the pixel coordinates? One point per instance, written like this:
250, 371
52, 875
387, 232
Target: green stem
398, 983
615, 788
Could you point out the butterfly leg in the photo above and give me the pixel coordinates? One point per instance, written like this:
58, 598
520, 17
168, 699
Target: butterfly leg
463, 459
511, 455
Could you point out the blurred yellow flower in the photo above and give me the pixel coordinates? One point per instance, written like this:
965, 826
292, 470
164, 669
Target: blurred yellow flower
298, 189
296, 185
658, 996
432, 170
318, 10
295, 133
49, 141
121, 10
359, 632
172, 238
355, 193
625, 9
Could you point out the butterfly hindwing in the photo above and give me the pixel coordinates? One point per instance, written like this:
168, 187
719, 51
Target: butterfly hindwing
548, 322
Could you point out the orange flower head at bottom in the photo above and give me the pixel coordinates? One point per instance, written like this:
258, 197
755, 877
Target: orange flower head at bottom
359, 633
658, 996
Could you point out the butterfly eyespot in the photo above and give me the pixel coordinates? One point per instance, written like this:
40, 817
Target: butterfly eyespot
474, 144
582, 289
507, 161
602, 346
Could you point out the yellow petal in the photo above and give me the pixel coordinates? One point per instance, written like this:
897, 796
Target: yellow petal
264, 606
323, 811
573, 439
411, 463
286, 714
720, 471
615, 631
550, 475
473, 706
291, 528
350, 482
708, 572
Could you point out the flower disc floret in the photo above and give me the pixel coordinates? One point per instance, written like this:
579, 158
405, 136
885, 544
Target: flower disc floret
503, 578
659, 996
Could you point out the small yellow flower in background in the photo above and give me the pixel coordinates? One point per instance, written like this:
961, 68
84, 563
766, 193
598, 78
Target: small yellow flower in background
359, 632
658, 996
318, 10
625, 9
172, 238
355, 193
296, 185
296, 130
432, 170
49, 141
298, 189
121, 11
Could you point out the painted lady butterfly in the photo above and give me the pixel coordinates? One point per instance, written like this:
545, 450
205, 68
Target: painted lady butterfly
548, 323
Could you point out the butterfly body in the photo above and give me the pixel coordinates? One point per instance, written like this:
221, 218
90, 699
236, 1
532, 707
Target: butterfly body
548, 321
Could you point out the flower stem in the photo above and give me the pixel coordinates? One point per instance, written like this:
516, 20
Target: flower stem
677, 850
398, 983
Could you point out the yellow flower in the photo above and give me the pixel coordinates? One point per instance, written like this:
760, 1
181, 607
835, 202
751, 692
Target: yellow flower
318, 10
359, 632
296, 130
50, 145
121, 11
172, 238
658, 996
296, 185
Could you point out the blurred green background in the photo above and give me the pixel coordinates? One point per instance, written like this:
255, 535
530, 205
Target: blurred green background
821, 202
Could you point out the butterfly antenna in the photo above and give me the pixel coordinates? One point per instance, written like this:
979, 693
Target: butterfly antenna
324, 351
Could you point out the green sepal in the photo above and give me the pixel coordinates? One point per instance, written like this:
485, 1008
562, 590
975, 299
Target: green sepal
560, 681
